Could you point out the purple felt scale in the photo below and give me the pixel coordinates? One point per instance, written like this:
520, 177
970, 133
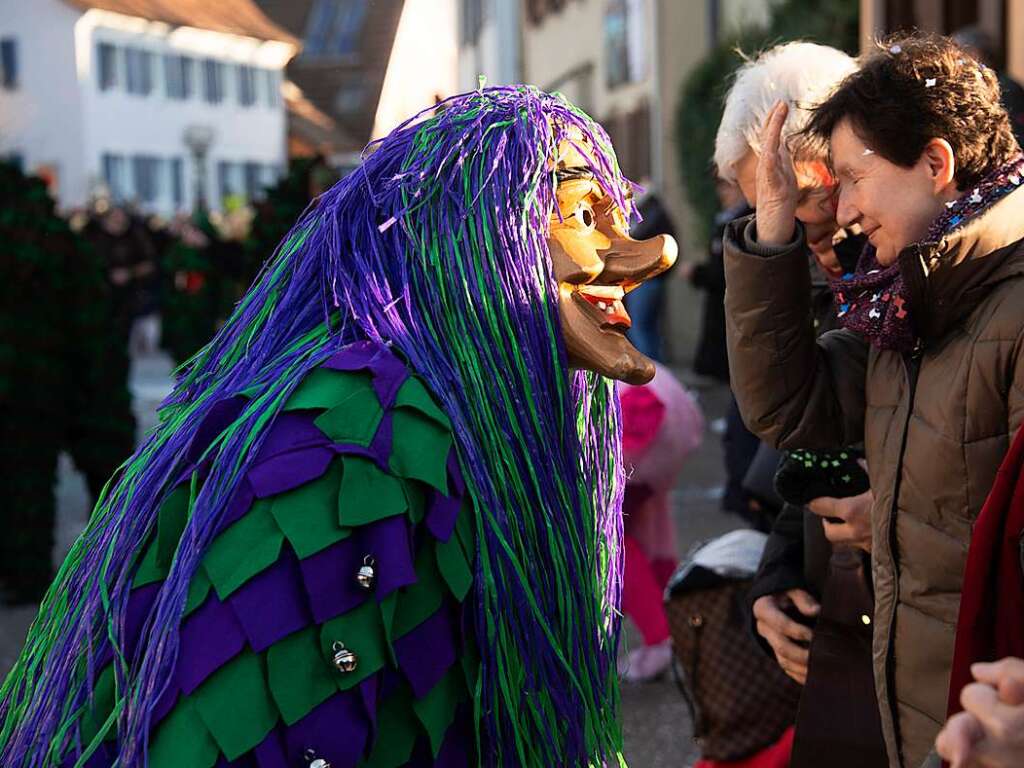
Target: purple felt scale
221, 415
427, 653
389, 373
273, 604
300, 453
442, 512
210, 638
390, 542
369, 691
336, 730
329, 577
140, 603
290, 469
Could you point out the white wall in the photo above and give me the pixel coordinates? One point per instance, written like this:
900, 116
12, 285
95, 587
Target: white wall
496, 54
423, 63
41, 120
60, 118
115, 121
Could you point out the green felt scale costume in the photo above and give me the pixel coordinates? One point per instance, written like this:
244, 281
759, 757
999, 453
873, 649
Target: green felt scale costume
266, 656
63, 376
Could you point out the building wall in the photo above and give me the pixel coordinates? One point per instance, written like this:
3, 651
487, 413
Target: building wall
125, 124
424, 63
62, 124
40, 121
734, 15
566, 52
496, 52
1015, 39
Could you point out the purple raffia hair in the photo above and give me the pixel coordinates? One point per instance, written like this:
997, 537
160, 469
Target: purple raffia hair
437, 247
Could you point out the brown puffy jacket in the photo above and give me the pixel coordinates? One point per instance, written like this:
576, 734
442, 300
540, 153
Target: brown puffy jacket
935, 424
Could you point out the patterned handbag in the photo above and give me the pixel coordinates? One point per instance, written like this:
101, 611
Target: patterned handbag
739, 699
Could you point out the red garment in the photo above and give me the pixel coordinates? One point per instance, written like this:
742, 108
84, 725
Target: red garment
991, 621
775, 756
642, 591
661, 426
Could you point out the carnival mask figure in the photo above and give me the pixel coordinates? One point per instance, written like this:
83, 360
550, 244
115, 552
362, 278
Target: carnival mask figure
379, 522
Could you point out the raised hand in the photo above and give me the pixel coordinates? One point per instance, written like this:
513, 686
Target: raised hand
777, 191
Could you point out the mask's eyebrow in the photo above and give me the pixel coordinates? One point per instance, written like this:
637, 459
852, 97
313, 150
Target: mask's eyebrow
573, 174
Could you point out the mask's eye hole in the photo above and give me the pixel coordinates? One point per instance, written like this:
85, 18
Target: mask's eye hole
584, 215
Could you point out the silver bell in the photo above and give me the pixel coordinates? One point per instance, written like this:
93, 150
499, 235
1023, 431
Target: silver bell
344, 659
367, 576
314, 761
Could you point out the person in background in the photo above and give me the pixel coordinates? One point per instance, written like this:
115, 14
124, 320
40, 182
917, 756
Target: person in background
661, 426
646, 304
63, 377
739, 445
712, 358
145, 333
191, 288
130, 259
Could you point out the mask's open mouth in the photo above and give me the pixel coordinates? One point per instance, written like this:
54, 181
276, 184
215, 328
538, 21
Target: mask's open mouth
604, 305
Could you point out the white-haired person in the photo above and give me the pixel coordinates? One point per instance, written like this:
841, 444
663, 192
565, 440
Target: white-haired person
801, 582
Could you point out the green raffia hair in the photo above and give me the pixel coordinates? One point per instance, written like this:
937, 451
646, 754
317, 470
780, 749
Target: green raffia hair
437, 247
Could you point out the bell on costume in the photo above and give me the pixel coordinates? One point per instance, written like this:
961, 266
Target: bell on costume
367, 576
344, 659
314, 761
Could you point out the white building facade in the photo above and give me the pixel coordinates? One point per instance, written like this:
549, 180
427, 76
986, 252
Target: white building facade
100, 102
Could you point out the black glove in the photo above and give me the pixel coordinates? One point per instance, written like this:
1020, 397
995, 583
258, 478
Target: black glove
806, 475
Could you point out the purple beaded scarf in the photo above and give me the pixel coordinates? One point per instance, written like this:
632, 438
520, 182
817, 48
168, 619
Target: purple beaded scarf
873, 301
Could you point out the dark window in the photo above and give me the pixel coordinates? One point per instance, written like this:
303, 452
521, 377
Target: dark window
334, 27
213, 81
227, 180
624, 42
538, 9
114, 175
253, 181
472, 20
107, 55
138, 71
616, 42
349, 98
246, 85
178, 72
178, 181
9, 64
273, 88
146, 175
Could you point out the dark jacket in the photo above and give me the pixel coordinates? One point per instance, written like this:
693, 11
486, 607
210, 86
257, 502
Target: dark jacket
712, 357
796, 554
935, 425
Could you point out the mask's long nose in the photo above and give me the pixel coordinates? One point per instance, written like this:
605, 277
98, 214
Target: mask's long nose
633, 261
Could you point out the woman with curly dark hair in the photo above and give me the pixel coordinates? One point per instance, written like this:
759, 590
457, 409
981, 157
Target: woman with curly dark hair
927, 369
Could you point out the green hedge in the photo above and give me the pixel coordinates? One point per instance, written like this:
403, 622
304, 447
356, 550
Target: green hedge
701, 98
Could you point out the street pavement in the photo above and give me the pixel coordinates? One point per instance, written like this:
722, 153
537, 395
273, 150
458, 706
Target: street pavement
656, 723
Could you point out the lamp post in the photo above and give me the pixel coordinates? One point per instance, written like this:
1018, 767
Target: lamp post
198, 139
